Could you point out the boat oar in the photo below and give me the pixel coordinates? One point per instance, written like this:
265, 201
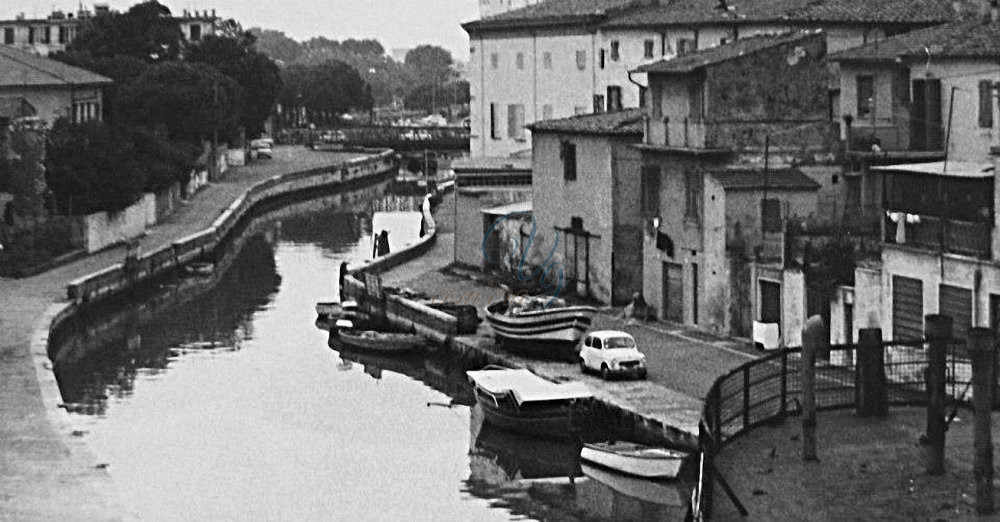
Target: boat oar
442, 404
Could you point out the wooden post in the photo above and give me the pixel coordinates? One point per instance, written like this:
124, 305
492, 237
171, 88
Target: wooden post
810, 343
937, 331
870, 374
983, 356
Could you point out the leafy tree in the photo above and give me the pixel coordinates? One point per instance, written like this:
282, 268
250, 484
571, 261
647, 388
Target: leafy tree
276, 44
182, 101
256, 74
147, 31
429, 63
429, 97
325, 91
91, 167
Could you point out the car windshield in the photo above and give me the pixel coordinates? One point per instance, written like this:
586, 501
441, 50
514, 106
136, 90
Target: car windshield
619, 342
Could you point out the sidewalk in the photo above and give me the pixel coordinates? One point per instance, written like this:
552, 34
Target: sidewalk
46, 473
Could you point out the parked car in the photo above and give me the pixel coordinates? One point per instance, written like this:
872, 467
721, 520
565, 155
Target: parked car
261, 148
612, 353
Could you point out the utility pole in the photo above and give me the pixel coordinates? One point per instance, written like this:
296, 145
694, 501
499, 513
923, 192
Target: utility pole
213, 171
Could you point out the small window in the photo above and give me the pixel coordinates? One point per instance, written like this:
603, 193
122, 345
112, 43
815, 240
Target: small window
647, 49
63, 34
600, 61
685, 45
598, 344
770, 215
195, 32
494, 60
986, 104
614, 51
520, 60
614, 98
8, 35
568, 154
547, 60
47, 35
31, 35
866, 96
589, 341
692, 195
581, 60
546, 112
515, 121
494, 122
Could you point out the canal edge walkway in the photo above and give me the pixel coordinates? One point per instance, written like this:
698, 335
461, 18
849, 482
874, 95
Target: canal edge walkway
46, 470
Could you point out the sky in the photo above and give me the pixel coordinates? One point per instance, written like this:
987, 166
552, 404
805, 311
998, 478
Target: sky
395, 23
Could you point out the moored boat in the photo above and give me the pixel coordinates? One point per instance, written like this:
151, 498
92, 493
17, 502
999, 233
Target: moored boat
665, 493
634, 459
526, 321
521, 401
380, 341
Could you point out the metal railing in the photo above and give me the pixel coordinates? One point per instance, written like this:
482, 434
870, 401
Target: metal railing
770, 388
944, 235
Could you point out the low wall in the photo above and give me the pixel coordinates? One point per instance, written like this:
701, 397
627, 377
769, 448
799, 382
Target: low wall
104, 229
114, 278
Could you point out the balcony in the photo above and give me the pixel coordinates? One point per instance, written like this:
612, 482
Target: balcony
735, 135
896, 139
683, 133
939, 235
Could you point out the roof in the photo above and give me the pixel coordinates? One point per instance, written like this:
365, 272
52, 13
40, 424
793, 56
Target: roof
527, 387
660, 13
512, 208
964, 39
624, 122
752, 179
491, 164
549, 12
692, 61
20, 69
957, 169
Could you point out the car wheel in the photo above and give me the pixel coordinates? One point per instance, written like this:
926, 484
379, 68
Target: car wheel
605, 372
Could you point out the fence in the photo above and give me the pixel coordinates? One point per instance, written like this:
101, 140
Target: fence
770, 388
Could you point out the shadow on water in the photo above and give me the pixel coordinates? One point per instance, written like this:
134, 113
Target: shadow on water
216, 320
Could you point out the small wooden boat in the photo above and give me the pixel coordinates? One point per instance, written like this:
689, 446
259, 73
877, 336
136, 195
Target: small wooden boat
332, 310
634, 459
664, 493
524, 320
380, 341
199, 269
519, 400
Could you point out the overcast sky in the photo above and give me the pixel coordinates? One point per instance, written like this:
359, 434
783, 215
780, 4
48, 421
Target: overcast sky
395, 23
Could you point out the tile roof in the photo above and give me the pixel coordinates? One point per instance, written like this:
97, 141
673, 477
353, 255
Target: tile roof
19, 69
625, 122
550, 12
752, 179
689, 62
965, 39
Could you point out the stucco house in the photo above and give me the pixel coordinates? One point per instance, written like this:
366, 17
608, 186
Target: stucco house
51, 89
585, 188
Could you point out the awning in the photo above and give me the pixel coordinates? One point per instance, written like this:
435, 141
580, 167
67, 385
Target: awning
528, 387
956, 169
503, 210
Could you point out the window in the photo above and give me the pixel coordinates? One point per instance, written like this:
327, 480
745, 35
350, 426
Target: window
568, 155
31, 35
195, 32
47, 35
515, 121
643, 92
84, 111
598, 103
866, 96
63, 34
581, 60
650, 188
770, 215
494, 60
692, 195
547, 60
985, 104
614, 98
614, 51
520, 60
546, 112
494, 122
8, 35
686, 45
600, 61
647, 49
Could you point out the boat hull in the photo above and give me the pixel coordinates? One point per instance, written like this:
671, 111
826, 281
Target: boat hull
666, 493
635, 460
565, 325
556, 422
380, 342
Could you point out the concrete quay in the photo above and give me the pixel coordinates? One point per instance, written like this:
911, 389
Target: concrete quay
46, 470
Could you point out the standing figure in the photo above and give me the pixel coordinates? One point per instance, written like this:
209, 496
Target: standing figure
383, 243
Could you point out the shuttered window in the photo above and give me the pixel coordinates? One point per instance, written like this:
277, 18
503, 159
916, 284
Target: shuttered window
907, 308
956, 303
985, 104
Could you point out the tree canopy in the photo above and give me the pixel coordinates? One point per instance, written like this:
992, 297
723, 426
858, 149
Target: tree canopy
325, 90
147, 31
429, 63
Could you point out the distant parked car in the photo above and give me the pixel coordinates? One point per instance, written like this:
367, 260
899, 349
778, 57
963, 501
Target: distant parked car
261, 148
611, 353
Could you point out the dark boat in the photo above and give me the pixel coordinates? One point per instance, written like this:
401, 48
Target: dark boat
519, 400
385, 342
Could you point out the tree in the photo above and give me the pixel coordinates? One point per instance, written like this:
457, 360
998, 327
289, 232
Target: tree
91, 167
427, 96
122, 69
182, 101
276, 44
147, 31
256, 74
325, 90
429, 63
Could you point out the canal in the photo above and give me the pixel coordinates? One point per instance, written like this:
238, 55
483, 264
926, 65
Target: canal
232, 405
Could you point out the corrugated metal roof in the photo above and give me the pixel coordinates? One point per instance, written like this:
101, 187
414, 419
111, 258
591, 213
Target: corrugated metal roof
777, 179
19, 69
956, 169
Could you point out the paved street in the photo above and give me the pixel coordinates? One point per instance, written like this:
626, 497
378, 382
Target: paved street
45, 472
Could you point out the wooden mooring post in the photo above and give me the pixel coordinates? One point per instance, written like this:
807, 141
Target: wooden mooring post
811, 341
870, 374
982, 353
937, 331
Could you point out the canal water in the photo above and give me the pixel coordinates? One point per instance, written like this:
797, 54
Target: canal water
233, 406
